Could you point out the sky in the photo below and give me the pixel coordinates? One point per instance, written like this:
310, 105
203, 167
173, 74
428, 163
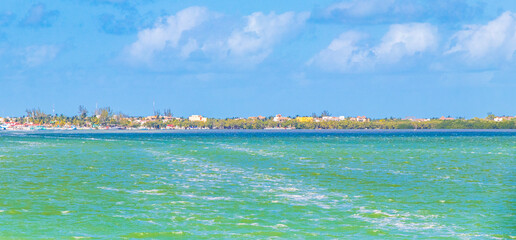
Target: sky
378, 58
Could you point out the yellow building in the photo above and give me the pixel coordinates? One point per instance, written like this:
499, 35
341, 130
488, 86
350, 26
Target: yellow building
305, 119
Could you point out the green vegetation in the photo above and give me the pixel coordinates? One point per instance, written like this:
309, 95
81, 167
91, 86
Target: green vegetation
104, 118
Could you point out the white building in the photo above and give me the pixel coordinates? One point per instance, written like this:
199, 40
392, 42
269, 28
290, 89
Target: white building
330, 118
197, 118
499, 119
360, 119
280, 118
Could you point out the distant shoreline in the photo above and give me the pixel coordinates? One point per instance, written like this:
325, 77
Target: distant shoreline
106, 120
86, 131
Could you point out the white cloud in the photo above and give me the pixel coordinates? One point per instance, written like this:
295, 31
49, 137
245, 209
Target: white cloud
402, 40
198, 30
262, 32
167, 32
343, 53
496, 38
37, 55
406, 40
188, 48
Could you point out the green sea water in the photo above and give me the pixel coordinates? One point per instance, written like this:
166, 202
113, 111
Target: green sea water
258, 185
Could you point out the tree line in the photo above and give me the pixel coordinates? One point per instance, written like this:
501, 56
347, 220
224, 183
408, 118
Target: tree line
105, 117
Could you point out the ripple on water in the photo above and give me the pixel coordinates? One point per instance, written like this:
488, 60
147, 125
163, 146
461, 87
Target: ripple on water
314, 185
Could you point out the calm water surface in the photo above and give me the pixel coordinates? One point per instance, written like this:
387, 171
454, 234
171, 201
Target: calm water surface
255, 185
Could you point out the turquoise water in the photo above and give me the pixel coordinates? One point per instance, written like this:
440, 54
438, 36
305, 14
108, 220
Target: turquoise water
258, 184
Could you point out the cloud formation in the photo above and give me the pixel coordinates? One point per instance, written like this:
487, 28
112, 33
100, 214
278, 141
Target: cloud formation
348, 53
197, 31
262, 32
167, 32
494, 39
406, 40
38, 16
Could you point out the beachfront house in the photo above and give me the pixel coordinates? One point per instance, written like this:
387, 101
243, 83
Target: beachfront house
280, 118
414, 119
330, 118
257, 118
151, 118
446, 118
360, 119
305, 119
197, 118
499, 119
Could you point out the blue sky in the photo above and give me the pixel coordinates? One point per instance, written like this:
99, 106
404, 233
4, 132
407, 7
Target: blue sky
378, 58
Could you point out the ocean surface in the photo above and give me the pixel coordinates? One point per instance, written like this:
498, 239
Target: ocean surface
258, 185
